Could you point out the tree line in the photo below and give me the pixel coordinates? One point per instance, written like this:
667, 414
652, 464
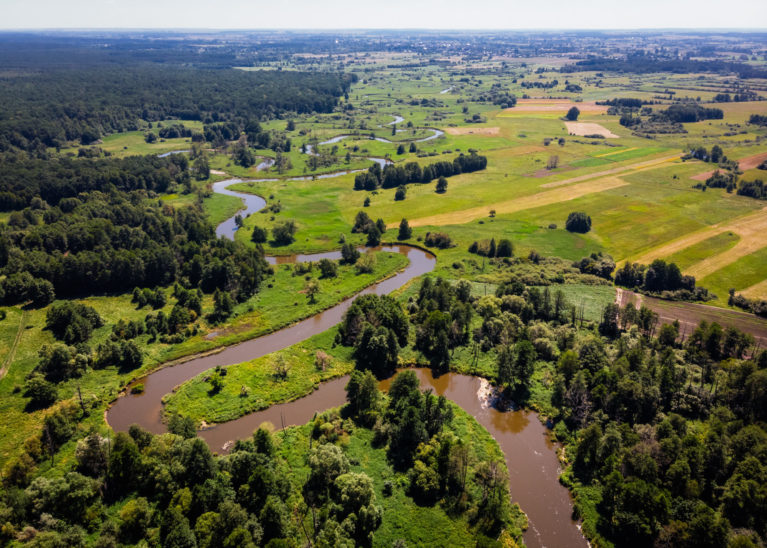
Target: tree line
392, 176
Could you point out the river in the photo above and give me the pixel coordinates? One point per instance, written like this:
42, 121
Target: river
530, 456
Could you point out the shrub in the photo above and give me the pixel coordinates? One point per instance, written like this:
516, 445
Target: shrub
366, 263
438, 239
284, 232
328, 268
259, 235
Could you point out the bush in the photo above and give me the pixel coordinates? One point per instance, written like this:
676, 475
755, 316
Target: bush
578, 222
349, 254
41, 392
259, 235
72, 322
284, 232
573, 114
328, 268
366, 263
438, 239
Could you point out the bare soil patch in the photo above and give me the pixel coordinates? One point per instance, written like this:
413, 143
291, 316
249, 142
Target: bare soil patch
689, 315
555, 105
745, 164
473, 130
589, 128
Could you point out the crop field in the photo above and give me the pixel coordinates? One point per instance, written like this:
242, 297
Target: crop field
637, 191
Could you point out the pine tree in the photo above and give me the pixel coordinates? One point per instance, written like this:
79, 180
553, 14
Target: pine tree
405, 232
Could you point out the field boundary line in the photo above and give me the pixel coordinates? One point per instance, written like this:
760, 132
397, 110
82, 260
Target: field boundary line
12, 352
749, 227
614, 171
519, 204
756, 291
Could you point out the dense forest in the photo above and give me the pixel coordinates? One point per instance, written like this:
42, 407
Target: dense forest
645, 64
89, 226
52, 108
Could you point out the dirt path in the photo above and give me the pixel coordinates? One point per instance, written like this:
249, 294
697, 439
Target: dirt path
751, 228
12, 351
647, 164
518, 204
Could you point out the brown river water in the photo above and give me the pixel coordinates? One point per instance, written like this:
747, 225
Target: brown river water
530, 456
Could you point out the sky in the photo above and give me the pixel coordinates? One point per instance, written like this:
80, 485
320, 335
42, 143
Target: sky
357, 14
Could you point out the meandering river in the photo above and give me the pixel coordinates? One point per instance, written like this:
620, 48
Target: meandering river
530, 456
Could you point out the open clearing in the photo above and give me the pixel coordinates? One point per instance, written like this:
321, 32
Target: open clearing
519, 204
554, 105
589, 128
473, 130
745, 164
751, 229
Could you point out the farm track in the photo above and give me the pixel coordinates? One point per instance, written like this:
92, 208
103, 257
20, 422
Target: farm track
12, 351
646, 164
751, 229
519, 204
588, 184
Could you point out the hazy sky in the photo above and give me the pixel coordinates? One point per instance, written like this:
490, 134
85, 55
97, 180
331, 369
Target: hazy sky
442, 14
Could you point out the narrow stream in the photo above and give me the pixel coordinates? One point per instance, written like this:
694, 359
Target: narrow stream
530, 456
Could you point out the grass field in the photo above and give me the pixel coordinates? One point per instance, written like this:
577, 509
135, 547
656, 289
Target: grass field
700, 251
742, 273
257, 378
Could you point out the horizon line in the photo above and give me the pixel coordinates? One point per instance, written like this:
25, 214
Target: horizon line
368, 29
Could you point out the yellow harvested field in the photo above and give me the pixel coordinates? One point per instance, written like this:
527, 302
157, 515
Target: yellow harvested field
519, 204
473, 130
751, 229
589, 128
554, 105
647, 164
756, 291
620, 151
